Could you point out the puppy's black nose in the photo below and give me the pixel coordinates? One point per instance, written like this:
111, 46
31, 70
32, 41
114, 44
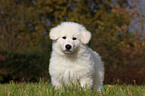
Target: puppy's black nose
68, 47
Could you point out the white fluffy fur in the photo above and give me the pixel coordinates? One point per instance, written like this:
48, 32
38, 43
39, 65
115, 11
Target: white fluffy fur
80, 63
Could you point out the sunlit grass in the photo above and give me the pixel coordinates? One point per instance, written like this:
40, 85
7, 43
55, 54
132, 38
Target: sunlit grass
44, 89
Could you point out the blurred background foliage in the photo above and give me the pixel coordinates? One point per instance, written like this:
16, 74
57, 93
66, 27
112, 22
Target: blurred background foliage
25, 46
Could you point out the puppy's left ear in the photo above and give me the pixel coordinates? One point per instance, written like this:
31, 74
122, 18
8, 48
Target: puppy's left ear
54, 33
85, 36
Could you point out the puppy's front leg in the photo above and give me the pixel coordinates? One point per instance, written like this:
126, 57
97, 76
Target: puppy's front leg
57, 84
86, 82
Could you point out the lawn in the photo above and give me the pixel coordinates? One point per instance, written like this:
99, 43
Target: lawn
44, 89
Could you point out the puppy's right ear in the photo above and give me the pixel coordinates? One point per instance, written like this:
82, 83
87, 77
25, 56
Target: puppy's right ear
86, 36
54, 33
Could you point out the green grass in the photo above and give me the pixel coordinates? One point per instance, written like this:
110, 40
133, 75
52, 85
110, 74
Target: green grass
43, 89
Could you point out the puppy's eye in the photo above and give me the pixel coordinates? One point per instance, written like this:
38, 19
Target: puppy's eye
64, 37
74, 38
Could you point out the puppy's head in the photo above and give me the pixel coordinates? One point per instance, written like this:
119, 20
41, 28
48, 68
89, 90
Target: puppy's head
68, 36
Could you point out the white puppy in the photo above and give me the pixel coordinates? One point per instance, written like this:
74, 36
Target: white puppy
71, 60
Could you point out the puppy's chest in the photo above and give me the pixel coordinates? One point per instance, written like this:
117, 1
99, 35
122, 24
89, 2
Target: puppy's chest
71, 71
70, 68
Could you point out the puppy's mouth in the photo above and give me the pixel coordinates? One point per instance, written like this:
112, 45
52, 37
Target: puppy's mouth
67, 51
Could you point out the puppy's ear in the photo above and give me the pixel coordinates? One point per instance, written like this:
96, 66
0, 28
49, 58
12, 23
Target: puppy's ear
54, 33
85, 36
